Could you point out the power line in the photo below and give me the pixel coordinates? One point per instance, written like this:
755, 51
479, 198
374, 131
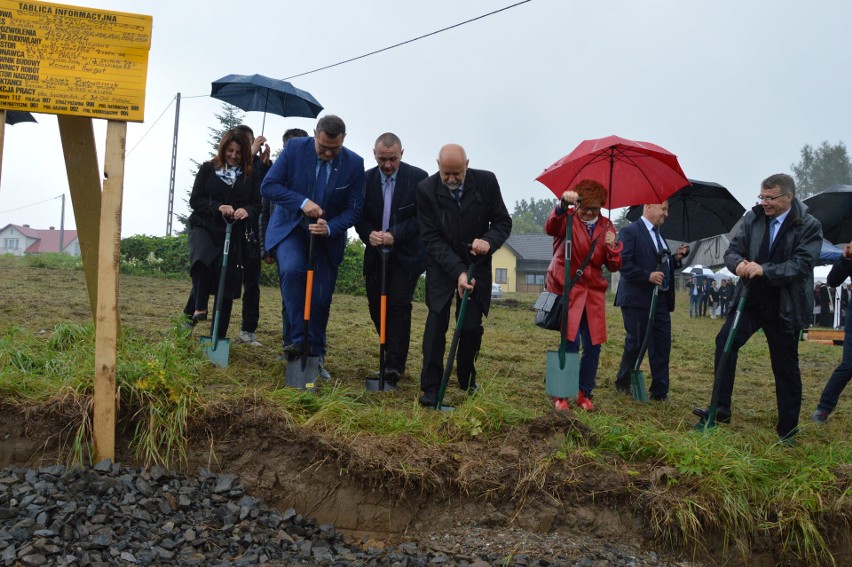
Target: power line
400, 44
30, 205
130, 151
408, 41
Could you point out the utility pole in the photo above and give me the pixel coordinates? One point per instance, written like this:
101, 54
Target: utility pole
62, 226
174, 162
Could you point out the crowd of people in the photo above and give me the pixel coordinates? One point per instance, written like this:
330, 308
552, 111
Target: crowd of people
708, 297
450, 224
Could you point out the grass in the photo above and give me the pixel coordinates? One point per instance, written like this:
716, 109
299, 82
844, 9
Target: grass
736, 481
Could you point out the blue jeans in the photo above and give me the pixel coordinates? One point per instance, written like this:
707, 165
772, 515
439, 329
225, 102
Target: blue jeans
591, 356
694, 303
839, 378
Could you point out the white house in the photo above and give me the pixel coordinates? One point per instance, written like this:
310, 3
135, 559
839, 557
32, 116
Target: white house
19, 240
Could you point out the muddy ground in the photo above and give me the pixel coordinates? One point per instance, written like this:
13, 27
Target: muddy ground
505, 494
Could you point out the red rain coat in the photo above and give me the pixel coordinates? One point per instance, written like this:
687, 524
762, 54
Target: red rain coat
589, 292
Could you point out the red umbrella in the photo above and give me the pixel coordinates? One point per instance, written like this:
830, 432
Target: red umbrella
635, 173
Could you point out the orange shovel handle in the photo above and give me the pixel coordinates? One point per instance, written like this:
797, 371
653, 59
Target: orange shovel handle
308, 291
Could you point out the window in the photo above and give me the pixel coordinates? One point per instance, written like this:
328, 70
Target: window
534, 279
539, 279
10, 243
501, 275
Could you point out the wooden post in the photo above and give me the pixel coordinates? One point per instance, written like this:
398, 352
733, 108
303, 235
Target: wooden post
2, 137
84, 183
107, 319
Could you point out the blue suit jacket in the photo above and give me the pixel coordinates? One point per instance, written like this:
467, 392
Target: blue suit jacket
293, 177
638, 260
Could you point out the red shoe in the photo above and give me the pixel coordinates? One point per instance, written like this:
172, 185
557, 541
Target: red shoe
561, 404
585, 402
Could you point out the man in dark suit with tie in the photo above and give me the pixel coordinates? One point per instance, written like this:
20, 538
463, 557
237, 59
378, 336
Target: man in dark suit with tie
389, 226
317, 186
457, 207
639, 274
774, 253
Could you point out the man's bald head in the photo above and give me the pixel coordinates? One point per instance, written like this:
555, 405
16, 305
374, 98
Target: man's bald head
452, 165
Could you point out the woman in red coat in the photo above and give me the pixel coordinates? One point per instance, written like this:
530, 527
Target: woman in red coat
586, 305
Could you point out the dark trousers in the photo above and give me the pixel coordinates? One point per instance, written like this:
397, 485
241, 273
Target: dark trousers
435, 340
659, 346
784, 356
251, 293
839, 378
203, 279
399, 288
591, 356
292, 255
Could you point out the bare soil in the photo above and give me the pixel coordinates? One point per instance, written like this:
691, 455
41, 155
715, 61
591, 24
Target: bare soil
501, 495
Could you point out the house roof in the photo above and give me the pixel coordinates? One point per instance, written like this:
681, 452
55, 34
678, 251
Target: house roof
531, 246
46, 240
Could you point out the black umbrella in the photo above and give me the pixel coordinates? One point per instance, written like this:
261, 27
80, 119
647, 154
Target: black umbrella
15, 116
263, 94
833, 209
700, 210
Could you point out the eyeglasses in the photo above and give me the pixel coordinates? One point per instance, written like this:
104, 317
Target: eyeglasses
590, 209
769, 198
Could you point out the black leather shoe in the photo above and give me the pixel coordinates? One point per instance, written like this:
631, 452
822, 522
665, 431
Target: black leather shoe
723, 414
293, 348
662, 398
391, 376
622, 389
429, 399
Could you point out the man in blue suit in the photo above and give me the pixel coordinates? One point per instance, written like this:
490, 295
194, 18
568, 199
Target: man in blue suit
639, 274
389, 226
317, 186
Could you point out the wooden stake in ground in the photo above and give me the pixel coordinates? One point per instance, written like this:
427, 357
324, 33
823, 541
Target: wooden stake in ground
107, 321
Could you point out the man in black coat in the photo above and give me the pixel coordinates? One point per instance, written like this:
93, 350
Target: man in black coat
457, 208
774, 253
389, 226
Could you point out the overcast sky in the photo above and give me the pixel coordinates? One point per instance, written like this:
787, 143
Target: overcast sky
734, 88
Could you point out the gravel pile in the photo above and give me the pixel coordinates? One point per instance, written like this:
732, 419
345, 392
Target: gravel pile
113, 515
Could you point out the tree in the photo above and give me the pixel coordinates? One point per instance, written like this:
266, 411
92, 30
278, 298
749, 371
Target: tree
229, 117
529, 217
821, 168
621, 220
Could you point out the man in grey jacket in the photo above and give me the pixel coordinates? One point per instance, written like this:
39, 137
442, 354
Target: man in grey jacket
774, 253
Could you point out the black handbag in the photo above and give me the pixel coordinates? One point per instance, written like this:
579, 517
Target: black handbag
549, 307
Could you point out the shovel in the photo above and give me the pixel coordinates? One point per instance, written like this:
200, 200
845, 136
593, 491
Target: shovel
708, 421
448, 368
372, 384
562, 376
217, 349
304, 374
637, 377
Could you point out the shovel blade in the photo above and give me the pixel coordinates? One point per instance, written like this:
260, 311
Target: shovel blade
217, 356
562, 382
637, 386
375, 385
302, 378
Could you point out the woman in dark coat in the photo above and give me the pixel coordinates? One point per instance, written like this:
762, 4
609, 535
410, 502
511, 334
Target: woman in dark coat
225, 188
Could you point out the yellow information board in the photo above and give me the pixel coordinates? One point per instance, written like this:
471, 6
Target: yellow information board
63, 59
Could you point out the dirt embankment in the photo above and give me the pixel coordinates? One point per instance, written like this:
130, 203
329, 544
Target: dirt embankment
512, 492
